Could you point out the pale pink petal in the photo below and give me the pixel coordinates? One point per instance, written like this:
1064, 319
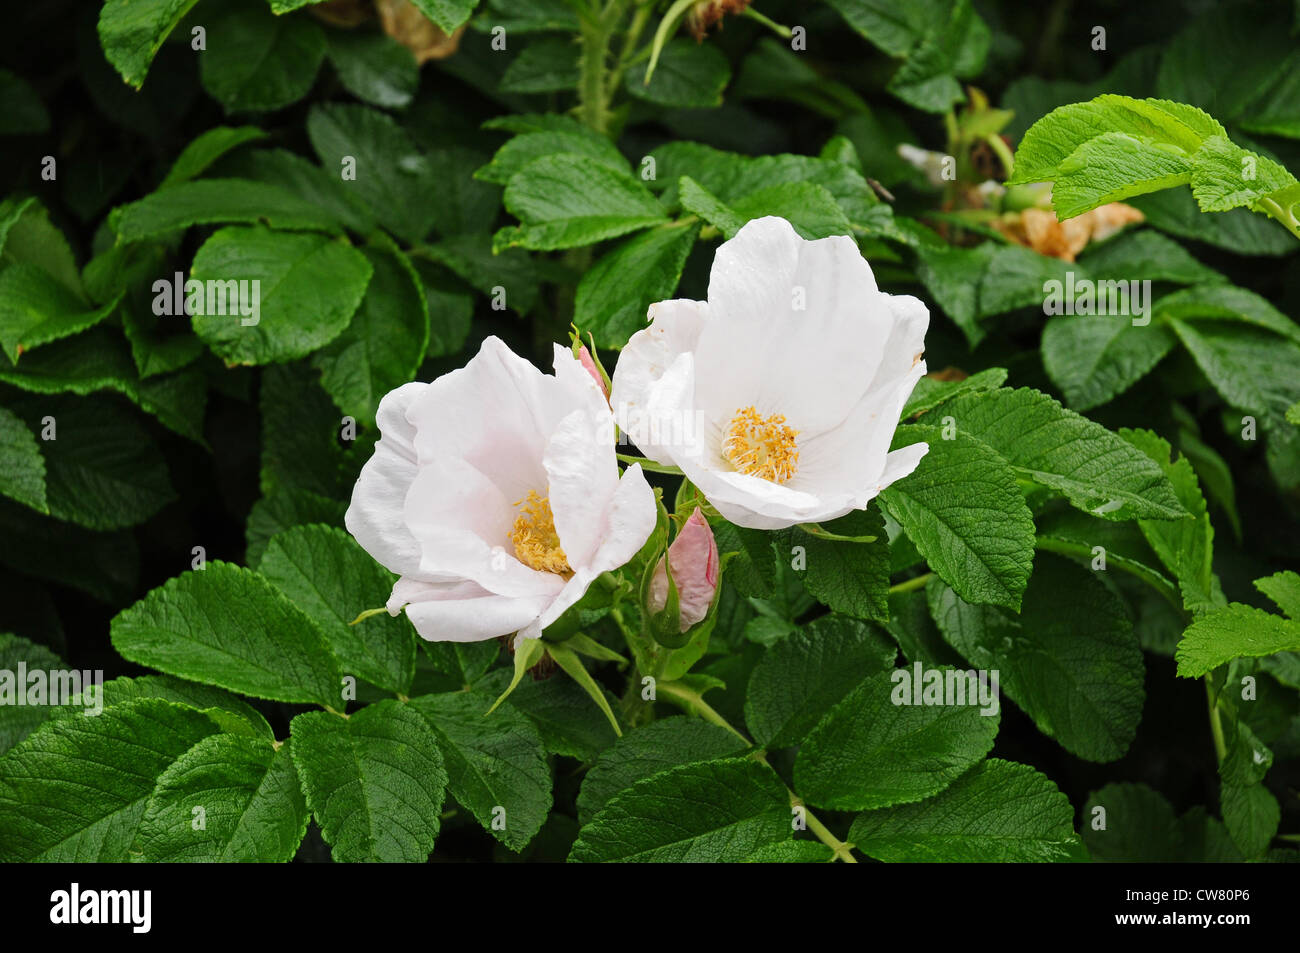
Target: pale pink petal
467, 613
374, 517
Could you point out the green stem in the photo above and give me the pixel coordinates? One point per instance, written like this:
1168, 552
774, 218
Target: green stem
1279, 214
649, 465
782, 31
593, 100
706, 711
626, 55
1216, 724
911, 585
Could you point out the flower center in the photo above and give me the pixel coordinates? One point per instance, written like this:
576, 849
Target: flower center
537, 544
761, 446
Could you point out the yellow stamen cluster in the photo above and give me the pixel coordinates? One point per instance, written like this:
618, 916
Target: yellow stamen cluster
537, 544
761, 446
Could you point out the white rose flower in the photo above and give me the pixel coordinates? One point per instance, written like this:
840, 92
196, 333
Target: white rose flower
494, 493
779, 396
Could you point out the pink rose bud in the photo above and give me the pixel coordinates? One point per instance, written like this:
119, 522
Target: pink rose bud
589, 364
694, 558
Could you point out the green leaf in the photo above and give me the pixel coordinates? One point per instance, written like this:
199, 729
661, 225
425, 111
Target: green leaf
849, 577
308, 288
1095, 358
792, 852
648, 751
617, 291
228, 626
1130, 822
1250, 812
255, 62
1149, 126
523, 149
374, 781
207, 148
699, 200
19, 721
285, 508
1113, 166
103, 470
24, 113
1240, 231
36, 309
1147, 253
393, 179
688, 75
1096, 470
807, 673
27, 236
565, 200
132, 31
252, 805
374, 67
1284, 589
496, 765
809, 207
1229, 303
569, 721
869, 752
327, 575
1186, 547
323, 189
1081, 684
714, 811
998, 812
212, 201
473, 259
549, 65
383, 346
230, 713
1237, 631
49, 811
966, 515
98, 360
1252, 369
300, 431
1227, 176
930, 393
22, 468
448, 14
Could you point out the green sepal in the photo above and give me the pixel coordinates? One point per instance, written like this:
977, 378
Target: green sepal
570, 662
528, 654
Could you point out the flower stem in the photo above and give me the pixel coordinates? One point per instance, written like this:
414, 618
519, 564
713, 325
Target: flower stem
911, 585
704, 710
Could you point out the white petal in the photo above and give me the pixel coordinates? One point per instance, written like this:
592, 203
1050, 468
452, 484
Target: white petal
906, 342
466, 613
583, 475
495, 412
796, 327
674, 330
627, 524
463, 523
374, 517
901, 462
